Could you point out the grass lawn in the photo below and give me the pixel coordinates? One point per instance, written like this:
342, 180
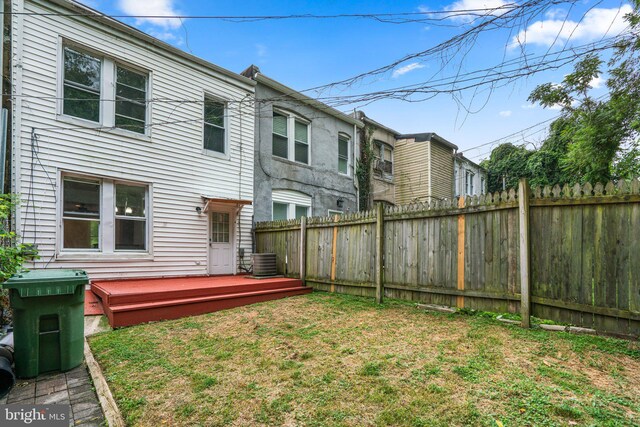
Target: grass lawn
331, 360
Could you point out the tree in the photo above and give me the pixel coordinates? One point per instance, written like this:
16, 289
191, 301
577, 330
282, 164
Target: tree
598, 137
506, 165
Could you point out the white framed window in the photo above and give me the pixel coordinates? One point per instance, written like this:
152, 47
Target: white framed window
102, 90
290, 137
343, 154
384, 160
482, 185
215, 125
131, 100
288, 204
468, 188
104, 215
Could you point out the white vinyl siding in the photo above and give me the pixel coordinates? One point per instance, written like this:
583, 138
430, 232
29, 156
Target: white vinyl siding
172, 165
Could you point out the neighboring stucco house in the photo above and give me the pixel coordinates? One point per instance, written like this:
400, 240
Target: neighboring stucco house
383, 141
304, 154
132, 157
423, 168
470, 179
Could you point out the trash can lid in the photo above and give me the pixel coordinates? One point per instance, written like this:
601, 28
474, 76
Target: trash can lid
46, 282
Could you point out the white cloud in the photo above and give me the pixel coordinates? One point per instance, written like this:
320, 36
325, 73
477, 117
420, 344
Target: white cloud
505, 113
261, 50
597, 82
556, 14
156, 8
474, 9
406, 69
528, 106
595, 24
168, 37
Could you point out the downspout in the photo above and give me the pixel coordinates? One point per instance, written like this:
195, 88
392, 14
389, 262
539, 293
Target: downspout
430, 167
356, 152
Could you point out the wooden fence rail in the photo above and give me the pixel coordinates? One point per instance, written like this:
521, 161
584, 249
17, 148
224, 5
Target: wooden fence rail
568, 254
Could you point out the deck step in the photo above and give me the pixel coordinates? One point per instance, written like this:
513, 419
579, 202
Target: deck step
131, 302
160, 294
133, 314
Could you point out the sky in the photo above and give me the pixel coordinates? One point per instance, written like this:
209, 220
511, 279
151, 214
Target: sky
306, 53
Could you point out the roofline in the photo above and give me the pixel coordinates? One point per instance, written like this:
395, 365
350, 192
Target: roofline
87, 12
462, 157
267, 81
366, 119
428, 136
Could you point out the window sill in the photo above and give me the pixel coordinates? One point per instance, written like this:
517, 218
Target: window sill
215, 154
292, 162
99, 256
388, 180
89, 125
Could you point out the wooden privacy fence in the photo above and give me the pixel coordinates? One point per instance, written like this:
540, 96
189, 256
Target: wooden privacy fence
569, 254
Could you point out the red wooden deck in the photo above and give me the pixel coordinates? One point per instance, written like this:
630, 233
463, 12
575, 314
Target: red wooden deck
130, 302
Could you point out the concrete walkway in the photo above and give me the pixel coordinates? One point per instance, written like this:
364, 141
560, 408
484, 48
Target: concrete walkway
66, 388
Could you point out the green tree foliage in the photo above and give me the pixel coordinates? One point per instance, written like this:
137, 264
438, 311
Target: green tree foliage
12, 253
594, 140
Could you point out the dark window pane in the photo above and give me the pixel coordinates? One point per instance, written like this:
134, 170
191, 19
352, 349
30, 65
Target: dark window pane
301, 211
214, 112
343, 147
279, 124
280, 146
132, 125
82, 69
81, 198
131, 235
132, 110
302, 134
130, 200
81, 103
131, 78
81, 234
302, 153
213, 138
343, 166
131, 95
279, 211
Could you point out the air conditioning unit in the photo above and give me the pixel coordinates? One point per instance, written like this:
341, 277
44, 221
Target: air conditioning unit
264, 265
378, 164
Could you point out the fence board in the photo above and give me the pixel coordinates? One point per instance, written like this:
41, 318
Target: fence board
584, 243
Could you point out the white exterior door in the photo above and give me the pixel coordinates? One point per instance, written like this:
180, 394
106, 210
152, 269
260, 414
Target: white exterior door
221, 243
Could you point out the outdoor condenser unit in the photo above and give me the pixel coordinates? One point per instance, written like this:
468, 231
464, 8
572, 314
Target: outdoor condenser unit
264, 265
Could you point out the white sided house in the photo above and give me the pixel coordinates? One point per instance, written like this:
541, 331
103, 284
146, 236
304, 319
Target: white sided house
132, 158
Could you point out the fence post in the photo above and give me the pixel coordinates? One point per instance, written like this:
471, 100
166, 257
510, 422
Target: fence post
303, 250
461, 255
379, 253
525, 258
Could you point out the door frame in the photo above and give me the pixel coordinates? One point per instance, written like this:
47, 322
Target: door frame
233, 217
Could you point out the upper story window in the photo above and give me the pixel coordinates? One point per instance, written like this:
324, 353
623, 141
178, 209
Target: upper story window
81, 90
214, 126
384, 157
131, 100
468, 182
290, 137
89, 79
343, 154
482, 185
103, 215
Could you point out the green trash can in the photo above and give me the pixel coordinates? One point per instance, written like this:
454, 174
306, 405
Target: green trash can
48, 320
